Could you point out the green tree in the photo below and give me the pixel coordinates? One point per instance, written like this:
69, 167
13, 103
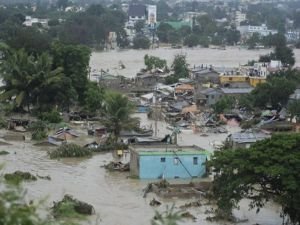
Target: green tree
282, 52
31, 80
285, 55
180, 66
141, 42
153, 62
163, 32
269, 169
117, 111
191, 40
275, 92
139, 26
253, 40
224, 104
94, 97
74, 59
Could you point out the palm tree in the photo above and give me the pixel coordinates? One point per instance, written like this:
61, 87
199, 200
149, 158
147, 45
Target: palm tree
17, 69
117, 111
29, 80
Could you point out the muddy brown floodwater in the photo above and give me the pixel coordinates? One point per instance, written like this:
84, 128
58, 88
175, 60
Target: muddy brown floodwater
134, 59
118, 200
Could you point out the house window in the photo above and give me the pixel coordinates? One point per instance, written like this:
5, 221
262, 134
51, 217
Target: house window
176, 161
163, 159
195, 160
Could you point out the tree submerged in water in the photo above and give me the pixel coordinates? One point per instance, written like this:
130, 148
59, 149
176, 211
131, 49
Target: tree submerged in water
268, 170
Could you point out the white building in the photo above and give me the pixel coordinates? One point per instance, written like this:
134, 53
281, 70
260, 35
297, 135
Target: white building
261, 30
29, 21
189, 16
239, 17
292, 35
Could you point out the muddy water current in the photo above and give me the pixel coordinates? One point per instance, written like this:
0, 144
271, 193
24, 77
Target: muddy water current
134, 59
118, 200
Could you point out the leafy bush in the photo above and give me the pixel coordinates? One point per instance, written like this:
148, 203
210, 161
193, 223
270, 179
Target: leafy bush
3, 123
38, 130
19, 176
70, 207
51, 117
69, 150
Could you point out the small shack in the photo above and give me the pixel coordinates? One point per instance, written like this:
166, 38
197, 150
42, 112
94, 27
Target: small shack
246, 139
167, 161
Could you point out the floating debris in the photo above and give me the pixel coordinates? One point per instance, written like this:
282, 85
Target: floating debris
191, 204
69, 206
166, 190
44, 177
117, 166
19, 176
4, 153
154, 202
188, 215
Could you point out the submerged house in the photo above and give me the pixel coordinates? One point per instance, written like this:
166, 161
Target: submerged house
167, 161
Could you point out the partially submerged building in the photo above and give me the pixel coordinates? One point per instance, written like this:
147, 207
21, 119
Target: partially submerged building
167, 161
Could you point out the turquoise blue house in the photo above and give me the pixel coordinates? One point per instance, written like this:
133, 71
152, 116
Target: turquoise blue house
167, 161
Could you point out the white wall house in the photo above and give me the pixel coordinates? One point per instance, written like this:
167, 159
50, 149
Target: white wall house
29, 21
261, 30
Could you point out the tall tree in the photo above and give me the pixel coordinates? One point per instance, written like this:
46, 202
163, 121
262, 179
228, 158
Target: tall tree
117, 112
275, 92
32, 80
180, 66
74, 59
267, 170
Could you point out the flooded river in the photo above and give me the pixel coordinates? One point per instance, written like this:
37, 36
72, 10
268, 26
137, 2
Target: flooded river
134, 59
118, 200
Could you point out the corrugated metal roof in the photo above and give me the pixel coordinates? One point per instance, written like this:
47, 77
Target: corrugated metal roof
249, 137
236, 90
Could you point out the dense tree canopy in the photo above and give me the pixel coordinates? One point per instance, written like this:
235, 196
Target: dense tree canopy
267, 170
274, 92
153, 62
74, 60
32, 81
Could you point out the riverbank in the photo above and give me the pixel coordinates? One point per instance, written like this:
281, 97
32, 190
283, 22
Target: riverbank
134, 59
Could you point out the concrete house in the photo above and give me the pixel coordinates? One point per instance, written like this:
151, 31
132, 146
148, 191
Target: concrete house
204, 75
167, 161
207, 97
